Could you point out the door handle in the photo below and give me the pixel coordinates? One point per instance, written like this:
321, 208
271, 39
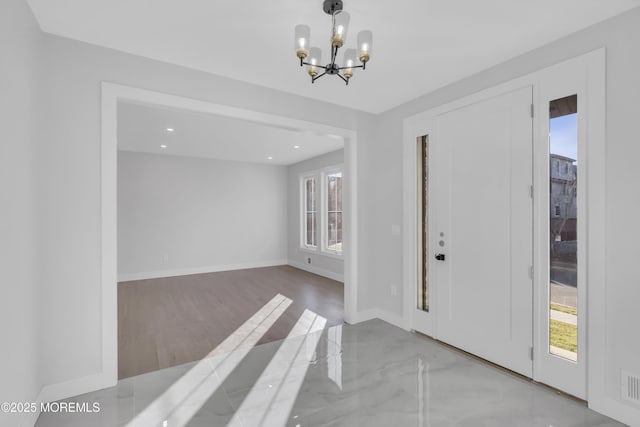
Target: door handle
440, 257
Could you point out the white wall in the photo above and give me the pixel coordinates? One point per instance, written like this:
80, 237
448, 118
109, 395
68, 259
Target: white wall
328, 266
70, 201
21, 53
620, 36
179, 215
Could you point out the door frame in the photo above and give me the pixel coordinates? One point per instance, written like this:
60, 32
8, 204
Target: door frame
112, 93
593, 65
554, 370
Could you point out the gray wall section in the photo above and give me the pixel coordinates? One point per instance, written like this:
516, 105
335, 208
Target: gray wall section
70, 194
179, 213
20, 68
297, 256
620, 36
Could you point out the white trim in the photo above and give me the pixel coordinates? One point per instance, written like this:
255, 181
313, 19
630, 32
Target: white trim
303, 211
310, 250
324, 209
109, 233
319, 175
111, 93
198, 270
369, 314
616, 409
597, 395
376, 313
63, 390
317, 270
566, 79
415, 127
419, 124
330, 254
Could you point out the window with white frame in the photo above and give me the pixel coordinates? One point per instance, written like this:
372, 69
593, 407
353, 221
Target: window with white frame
309, 212
321, 205
332, 211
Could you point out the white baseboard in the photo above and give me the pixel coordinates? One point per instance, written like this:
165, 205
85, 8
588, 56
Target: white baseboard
376, 313
126, 277
317, 270
617, 410
67, 389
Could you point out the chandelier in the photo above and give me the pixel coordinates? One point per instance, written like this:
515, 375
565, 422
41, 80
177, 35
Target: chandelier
312, 56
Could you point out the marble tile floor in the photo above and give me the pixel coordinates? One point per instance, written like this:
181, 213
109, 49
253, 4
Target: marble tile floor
370, 374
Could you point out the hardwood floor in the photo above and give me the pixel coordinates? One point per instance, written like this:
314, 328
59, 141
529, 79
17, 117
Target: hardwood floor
174, 320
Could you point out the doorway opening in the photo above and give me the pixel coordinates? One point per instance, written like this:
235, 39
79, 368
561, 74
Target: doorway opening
112, 95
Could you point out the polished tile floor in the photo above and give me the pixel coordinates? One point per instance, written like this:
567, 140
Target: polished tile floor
371, 374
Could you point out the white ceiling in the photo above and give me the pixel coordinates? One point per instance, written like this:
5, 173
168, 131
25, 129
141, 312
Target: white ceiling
419, 45
143, 128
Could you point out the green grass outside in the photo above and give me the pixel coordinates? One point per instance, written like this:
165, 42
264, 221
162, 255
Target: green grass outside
565, 309
564, 335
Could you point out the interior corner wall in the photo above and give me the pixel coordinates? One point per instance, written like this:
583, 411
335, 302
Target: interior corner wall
324, 265
70, 200
619, 36
20, 67
181, 215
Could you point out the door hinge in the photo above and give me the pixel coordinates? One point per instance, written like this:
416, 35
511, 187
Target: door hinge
532, 111
531, 353
531, 272
531, 191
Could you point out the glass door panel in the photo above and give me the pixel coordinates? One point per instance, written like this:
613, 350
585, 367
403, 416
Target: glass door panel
563, 221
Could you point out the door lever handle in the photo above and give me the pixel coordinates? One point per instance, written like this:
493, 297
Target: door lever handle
440, 257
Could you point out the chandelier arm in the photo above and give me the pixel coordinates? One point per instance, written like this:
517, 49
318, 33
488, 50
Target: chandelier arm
343, 78
313, 79
324, 67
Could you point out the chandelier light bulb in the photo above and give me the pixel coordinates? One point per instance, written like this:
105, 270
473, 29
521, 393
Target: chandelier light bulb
315, 56
301, 41
340, 27
349, 62
365, 45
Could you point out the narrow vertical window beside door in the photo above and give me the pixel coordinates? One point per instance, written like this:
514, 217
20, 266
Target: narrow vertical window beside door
563, 261
423, 222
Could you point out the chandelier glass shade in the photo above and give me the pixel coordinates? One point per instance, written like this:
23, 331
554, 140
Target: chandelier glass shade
311, 57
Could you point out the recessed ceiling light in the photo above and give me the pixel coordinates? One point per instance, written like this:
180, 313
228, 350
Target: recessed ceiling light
163, 146
296, 146
269, 158
170, 129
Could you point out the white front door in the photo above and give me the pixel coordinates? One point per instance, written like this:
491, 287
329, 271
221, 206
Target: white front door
470, 164
482, 228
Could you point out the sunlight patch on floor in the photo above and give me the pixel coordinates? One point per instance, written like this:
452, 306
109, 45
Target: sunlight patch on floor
180, 402
272, 397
